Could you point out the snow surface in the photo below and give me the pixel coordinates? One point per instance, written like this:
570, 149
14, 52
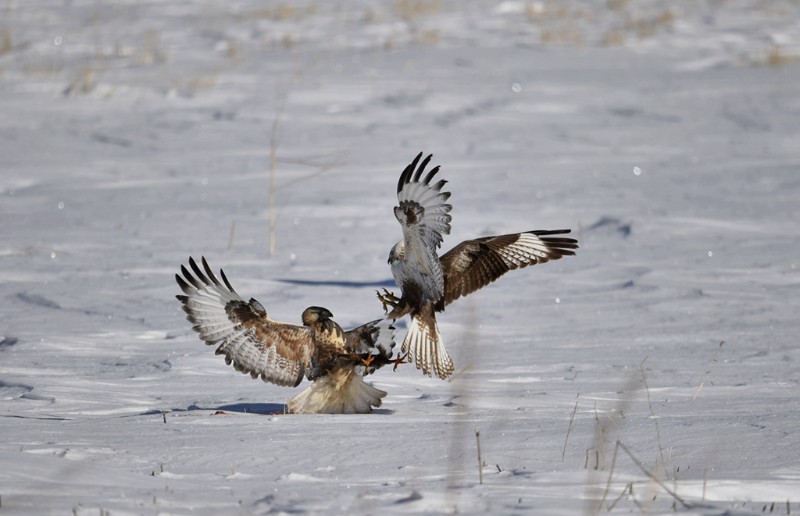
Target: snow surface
135, 134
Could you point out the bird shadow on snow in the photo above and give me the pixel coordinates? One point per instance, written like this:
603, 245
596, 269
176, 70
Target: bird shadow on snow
264, 409
388, 283
254, 408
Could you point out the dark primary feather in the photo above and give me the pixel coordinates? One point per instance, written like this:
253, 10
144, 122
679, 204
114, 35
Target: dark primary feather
421, 168
406, 175
412, 170
422, 209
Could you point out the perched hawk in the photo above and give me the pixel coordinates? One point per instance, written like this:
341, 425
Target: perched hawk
429, 282
280, 353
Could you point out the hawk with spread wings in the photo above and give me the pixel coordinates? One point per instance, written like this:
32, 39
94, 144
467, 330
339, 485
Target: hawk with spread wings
429, 283
334, 360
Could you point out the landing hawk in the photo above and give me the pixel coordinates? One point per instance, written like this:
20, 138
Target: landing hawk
281, 353
429, 283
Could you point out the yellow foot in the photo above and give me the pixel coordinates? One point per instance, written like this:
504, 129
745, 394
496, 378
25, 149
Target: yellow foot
367, 361
401, 359
387, 299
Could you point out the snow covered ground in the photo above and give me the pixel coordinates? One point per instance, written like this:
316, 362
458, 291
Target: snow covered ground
135, 134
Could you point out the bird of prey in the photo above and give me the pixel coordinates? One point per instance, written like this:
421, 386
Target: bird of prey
429, 283
334, 360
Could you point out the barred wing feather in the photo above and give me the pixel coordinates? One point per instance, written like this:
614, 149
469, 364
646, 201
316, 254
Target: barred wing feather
473, 264
277, 352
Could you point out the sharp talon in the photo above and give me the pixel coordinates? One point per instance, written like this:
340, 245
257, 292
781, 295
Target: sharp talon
387, 299
384, 301
401, 359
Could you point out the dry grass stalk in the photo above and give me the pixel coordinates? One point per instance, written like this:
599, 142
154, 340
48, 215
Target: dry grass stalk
480, 460
232, 235
569, 428
273, 149
6, 44
655, 419
619, 445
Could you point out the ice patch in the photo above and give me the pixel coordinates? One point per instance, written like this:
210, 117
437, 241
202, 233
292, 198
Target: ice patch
152, 335
518, 380
299, 477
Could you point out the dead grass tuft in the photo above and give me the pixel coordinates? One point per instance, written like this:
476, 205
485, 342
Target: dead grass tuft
777, 57
282, 12
565, 35
617, 5
6, 43
412, 10
542, 11
83, 84
613, 38
429, 37
232, 50
646, 28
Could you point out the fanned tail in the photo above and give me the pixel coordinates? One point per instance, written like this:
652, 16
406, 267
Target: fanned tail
425, 347
339, 392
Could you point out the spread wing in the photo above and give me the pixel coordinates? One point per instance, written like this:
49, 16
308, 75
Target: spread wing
473, 264
424, 216
279, 353
423, 212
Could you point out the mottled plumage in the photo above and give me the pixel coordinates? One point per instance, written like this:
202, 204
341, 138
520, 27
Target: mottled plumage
429, 283
283, 353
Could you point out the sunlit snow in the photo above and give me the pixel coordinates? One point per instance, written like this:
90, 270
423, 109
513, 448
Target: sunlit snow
136, 134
